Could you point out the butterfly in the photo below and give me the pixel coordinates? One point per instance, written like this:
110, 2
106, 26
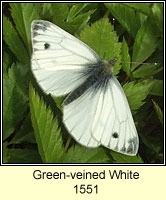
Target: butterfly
96, 111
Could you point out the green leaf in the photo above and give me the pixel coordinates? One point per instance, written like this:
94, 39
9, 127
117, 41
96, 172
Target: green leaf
144, 70
136, 93
154, 143
126, 16
158, 111
121, 158
75, 10
23, 14
7, 61
125, 57
47, 12
141, 7
103, 40
15, 97
24, 156
77, 16
60, 12
14, 42
25, 134
5, 153
81, 21
73, 19
145, 43
157, 88
157, 10
46, 129
80, 154
60, 18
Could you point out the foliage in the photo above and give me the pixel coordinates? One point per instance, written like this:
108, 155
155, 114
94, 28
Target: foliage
33, 131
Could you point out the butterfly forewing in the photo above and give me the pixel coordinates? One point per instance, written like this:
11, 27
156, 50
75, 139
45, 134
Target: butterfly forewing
58, 58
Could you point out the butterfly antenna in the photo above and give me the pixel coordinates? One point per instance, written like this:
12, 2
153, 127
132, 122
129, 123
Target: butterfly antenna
140, 63
113, 29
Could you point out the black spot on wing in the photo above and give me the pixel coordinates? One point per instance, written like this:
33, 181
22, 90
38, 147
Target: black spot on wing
132, 147
115, 135
46, 46
40, 25
34, 41
35, 33
123, 149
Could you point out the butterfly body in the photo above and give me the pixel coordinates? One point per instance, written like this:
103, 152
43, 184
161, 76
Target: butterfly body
96, 111
97, 76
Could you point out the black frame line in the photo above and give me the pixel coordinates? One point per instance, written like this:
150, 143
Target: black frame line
81, 164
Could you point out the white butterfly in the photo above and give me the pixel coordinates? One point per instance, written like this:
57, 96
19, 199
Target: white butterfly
96, 111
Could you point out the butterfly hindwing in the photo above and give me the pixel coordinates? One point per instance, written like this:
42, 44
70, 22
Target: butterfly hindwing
78, 117
107, 116
113, 124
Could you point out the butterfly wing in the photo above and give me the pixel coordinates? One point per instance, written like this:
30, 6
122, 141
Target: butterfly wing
103, 116
58, 58
113, 124
78, 117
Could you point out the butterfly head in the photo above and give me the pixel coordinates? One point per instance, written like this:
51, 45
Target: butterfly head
113, 61
110, 64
